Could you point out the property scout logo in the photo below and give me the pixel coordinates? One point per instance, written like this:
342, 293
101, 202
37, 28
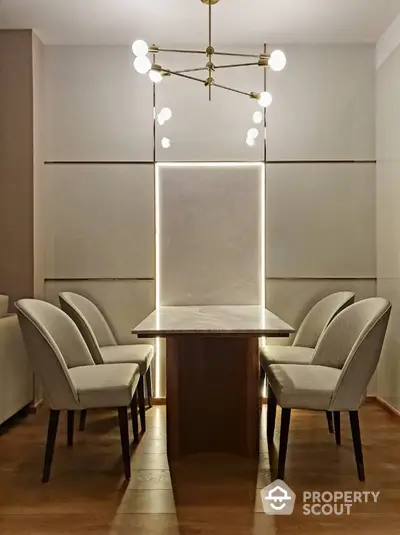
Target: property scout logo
279, 499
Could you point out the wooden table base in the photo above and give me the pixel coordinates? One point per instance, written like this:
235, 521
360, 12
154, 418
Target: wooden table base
213, 395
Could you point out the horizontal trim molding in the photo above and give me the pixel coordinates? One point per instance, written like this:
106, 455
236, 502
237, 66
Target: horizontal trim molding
318, 161
321, 278
79, 279
183, 162
98, 162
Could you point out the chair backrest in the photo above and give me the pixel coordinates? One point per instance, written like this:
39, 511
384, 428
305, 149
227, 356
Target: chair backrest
53, 344
353, 343
90, 321
319, 317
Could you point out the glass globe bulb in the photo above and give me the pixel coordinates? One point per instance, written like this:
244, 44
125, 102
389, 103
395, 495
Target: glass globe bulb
140, 48
155, 76
277, 60
265, 99
257, 117
166, 114
142, 65
165, 143
252, 133
250, 141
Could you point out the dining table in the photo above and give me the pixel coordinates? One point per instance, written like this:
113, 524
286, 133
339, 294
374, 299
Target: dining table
213, 394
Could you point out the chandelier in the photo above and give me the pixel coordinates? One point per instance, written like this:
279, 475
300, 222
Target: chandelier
143, 65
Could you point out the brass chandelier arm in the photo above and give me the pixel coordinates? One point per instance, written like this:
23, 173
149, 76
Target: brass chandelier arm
181, 51
238, 55
193, 70
235, 65
204, 53
176, 73
251, 95
210, 50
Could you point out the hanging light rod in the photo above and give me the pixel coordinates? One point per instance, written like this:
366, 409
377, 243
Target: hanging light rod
276, 61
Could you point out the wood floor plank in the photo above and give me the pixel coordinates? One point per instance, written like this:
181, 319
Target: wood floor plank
212, 495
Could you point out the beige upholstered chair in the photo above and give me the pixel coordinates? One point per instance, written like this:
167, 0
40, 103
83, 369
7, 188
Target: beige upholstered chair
308, 334
16, 378
342, 366
70, 378
3, 305
103, 345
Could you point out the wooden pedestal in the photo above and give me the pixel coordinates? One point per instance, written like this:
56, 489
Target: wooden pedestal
213, 395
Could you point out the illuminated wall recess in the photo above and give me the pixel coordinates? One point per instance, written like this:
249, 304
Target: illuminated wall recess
158, 237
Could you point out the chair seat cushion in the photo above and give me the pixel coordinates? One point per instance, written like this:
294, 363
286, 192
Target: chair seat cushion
105, 385
140, 354
303, 386
285, 355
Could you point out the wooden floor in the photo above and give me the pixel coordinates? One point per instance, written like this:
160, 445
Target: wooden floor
87, 493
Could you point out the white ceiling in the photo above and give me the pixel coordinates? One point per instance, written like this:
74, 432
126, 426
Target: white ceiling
184, 22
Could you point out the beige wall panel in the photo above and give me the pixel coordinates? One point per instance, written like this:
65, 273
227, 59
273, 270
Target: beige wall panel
97, 107
99, 221
320, 220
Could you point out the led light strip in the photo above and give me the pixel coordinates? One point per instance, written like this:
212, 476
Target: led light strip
158, 168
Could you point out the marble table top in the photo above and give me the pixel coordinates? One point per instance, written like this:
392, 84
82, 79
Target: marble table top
212, 320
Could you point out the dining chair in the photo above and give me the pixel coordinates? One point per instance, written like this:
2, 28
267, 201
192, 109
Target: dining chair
3, 305
104, 348
307, 336
343, 364
70, 378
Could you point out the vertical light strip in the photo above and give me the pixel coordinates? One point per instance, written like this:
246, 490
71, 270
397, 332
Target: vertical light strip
262, 235
263, 340
158, 276
263, 222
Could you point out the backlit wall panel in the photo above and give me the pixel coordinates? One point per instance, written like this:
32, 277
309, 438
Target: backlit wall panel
210, 248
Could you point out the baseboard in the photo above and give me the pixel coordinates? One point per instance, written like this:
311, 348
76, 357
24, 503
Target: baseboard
386, 406
159, 401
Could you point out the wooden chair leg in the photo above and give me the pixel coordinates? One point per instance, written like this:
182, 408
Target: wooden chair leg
285, 424
336, 417
149, 388
330, 421
142, 408
271, 415
82, 420
358, 454
124, 432
51, 439
70, 427
134, 411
